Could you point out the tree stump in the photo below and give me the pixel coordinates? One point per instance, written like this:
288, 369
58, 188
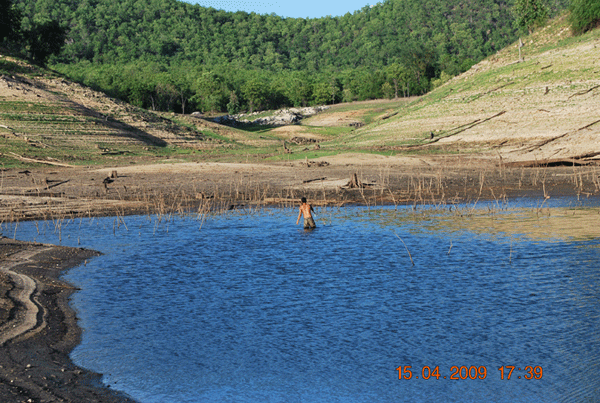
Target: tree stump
355, 183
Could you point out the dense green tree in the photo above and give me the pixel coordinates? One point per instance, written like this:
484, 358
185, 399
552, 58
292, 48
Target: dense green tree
297, 87
44, 40
585, 15
233, 106
530, 13
183, 80
399, 76
211, 92
322, 93
10, 20
256, 93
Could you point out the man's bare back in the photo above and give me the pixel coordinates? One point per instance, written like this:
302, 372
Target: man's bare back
306, 210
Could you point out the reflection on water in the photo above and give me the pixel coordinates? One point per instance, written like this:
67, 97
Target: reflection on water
251, 308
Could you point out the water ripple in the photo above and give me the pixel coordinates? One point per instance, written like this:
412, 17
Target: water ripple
250, 309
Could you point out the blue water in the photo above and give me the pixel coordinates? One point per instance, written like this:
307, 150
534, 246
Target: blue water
250, 308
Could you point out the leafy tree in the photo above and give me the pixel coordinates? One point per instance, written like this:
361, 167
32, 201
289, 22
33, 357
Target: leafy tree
10, 20
255, 92
233, 106
165, 93
140, 92
297, 87
444, 77
585, 15
44, 40
530, 13
387, 90
322, 93
399, 75
184, 90
211, 92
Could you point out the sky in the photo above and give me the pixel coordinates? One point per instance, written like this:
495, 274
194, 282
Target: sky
287, 8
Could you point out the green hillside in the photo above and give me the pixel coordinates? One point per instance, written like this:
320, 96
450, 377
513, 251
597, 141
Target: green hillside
173, 56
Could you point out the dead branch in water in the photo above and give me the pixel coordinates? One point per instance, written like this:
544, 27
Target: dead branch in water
409, 255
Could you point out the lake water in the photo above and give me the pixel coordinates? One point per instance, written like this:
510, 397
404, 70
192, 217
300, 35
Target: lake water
250, 308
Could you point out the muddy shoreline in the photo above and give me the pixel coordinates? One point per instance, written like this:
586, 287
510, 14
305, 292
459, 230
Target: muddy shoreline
35, 364
166, 188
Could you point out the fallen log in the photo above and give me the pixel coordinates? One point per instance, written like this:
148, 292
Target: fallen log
584, 92
462, 128
389, 116
548, 163
57, 184
543, 143
490, 91
314, 180
25, 159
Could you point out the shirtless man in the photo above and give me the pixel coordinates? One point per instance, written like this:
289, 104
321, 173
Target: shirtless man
305, 210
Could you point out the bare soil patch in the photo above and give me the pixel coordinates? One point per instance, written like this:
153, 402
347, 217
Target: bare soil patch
336, 119
290, 132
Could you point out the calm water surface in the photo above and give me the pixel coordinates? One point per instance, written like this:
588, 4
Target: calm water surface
250, 308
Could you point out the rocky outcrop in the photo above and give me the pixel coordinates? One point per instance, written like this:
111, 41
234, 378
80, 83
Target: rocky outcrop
281, 117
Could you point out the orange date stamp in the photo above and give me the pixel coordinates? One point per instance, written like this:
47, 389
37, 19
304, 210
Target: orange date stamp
507, 372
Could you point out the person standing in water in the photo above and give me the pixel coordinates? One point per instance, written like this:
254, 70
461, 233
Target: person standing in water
306, 210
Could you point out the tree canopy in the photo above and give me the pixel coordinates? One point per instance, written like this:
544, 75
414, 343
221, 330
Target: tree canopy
10, 20
167, 54
585, 15
38, 41
530, 13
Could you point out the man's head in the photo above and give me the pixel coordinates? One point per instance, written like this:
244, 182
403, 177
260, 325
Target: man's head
303, 200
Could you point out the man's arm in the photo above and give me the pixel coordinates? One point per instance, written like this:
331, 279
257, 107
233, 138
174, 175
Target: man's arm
299, 215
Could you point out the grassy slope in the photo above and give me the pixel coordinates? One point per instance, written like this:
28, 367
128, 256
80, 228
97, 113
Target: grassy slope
538, 99
500, 106
45, 117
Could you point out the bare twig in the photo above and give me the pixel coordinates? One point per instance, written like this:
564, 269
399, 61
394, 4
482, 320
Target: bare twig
409, 255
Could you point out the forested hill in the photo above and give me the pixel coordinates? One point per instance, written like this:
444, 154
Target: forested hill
168, 54
171, 31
